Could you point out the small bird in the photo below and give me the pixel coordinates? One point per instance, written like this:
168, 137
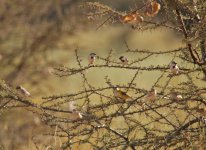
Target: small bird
120, 94
23, 90
71, 106
124, 60
76, 115
174, 68
151, 95
174, 96
92, 58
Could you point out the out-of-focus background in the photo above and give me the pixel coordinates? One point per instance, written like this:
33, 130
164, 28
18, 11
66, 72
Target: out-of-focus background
37, 35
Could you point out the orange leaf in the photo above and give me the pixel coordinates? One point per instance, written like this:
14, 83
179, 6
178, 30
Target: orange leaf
152, 8
132, 18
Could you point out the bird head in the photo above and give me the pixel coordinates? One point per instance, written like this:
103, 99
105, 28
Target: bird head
92, 55
18, 87
173, 63
121, 58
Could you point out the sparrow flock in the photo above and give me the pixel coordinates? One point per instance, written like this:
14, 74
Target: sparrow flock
152, 94
118, 93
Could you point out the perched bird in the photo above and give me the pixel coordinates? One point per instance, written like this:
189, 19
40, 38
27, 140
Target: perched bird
174, 68
174, 96
151, 95
23, 90
92, 58
124, 60
120, 94
76, 115
71, 106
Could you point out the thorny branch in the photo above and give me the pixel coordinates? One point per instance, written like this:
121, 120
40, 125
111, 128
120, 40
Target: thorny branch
98, 117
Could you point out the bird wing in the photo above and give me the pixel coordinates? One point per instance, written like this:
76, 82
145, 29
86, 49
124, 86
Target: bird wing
125, 95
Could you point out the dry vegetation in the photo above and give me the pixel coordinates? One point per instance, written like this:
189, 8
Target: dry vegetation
142, 101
